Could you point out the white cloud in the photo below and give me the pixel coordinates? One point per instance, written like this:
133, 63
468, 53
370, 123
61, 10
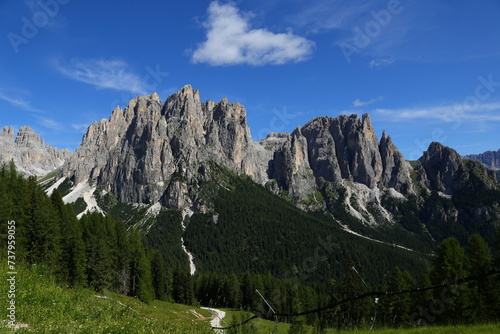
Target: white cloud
80, 127
231, 41
111, 74
447, 113
324, 15
18, 102
48, 123
376, 63
358, 103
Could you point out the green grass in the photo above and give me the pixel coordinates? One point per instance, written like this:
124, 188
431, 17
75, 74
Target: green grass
48, 308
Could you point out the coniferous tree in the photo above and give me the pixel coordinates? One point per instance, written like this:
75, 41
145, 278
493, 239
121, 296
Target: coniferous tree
298, 325
141, 284
42, 231
450, 303
399, 304
73, 259
479, 260
354, 313
421, 300
231, 291
98, 258
159, 275
183, 290
122, 261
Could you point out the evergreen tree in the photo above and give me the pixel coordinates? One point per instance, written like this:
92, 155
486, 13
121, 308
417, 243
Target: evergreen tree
231, 291
42, 231
183, 291
479, 260
450, 303
421, 300
159, 275
122, 261
141, 284
354, 313
399, 304
73, 259
298, 325
98, 254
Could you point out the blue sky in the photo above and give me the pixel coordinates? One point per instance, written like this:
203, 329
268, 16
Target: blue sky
424, 70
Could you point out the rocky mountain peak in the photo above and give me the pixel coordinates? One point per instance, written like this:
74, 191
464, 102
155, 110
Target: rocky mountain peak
440, 168
29, 153
138, 151
27, 137
151, 152
490, 159
396, 170
338, 149
7, 133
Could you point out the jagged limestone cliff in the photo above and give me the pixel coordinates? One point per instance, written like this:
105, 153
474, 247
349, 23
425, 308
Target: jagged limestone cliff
29, 153
153, 152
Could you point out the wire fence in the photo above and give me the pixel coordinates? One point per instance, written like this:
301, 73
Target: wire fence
372, 294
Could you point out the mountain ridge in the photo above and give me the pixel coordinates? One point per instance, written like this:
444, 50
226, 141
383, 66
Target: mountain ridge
29, 153
490, 159
170, 154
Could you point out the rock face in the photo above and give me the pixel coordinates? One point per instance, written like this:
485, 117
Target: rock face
490, 159
152, 152
337, 149
442, 169
29, 153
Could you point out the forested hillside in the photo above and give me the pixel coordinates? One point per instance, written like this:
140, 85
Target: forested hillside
99, 252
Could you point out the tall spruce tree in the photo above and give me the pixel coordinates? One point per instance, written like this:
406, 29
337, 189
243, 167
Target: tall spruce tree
98, 254
122, 261
450, 303
71, 266
42, 230
479, 260
141, 284
159, 275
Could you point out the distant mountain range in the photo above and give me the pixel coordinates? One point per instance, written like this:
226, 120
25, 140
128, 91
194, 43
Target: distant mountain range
187, 155
29, 153
490, 159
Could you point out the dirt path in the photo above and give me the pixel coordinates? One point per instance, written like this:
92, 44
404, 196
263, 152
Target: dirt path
216, 321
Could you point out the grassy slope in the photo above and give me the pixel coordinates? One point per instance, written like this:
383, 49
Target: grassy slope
48, 308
